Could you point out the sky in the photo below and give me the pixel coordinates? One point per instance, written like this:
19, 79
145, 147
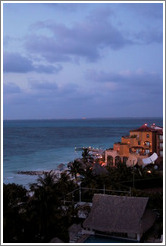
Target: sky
75, 60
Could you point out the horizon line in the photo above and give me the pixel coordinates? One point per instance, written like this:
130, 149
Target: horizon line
88, 118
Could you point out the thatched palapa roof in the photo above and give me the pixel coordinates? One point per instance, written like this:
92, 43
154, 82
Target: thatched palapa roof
120, 214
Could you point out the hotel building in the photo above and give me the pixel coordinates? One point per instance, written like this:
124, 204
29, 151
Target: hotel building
141, 143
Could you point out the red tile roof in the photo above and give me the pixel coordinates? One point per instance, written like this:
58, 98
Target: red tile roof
145, 128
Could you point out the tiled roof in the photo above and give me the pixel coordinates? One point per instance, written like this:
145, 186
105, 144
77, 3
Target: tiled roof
146, 128
143, 128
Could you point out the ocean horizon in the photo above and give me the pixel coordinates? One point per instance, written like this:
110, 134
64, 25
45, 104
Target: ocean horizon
43, 144
86, 118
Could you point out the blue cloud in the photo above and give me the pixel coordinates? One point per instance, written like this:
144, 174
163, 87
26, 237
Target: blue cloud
150, 10
149, 82
16, 63
48, 69
152, 36
85, 39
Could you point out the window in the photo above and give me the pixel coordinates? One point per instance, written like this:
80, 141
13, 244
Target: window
161, 153
139, 143
125, 159
147, 143
147, 151
147, 135
109, 160
117, 160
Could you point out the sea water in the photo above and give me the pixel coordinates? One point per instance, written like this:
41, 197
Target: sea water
38, 145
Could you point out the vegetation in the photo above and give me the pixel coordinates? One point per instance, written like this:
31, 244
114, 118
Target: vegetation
40, 214
38, 217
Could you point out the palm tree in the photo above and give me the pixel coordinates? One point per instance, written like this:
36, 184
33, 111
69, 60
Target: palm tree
45, 203
86, 156
75, 167
46, 206
64, 185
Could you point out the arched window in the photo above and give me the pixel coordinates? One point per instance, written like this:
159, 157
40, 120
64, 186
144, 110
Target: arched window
109, 160
117, 160
125, 159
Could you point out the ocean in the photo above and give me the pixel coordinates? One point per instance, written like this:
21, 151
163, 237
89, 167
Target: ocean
38, 145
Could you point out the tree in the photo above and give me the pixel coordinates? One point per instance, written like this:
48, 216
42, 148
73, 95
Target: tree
86, 156
44, 205
64, 185
46, 208
14, 199
75, 167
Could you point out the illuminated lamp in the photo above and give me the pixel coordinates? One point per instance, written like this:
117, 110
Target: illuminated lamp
146, 124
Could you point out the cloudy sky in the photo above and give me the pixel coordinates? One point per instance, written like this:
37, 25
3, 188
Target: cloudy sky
74, 60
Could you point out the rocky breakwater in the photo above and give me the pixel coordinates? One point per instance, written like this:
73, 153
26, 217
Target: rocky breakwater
60, 168
32, 172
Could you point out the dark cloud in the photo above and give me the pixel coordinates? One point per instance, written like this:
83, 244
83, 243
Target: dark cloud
48, 69
85, 39
149, 82
105, 14
48, 48
135, 93
16, 63
51, 90
152, 36
68, 7
102, 32
152, 10
72, 103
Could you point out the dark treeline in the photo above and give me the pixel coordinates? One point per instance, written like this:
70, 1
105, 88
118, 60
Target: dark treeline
36, 216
